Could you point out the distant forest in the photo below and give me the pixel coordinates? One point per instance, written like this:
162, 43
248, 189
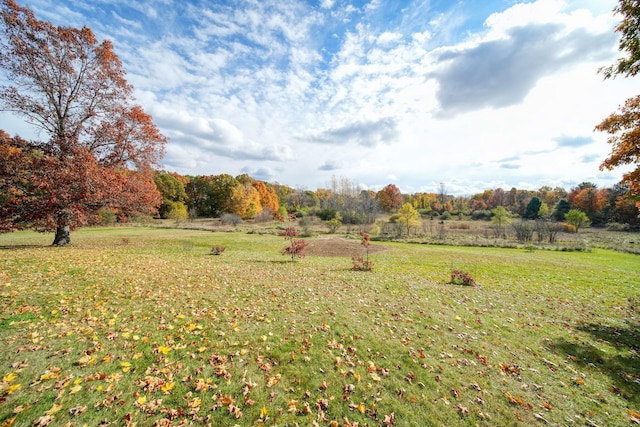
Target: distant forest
245, 198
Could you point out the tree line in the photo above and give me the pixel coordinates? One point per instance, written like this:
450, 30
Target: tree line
247, 198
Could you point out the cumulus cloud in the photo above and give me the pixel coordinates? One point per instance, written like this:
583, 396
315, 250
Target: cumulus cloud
365, 133
501, 72
261, 173
590, 158
573, 141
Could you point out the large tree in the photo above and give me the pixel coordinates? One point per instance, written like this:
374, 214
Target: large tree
624, 126
390, 198
100, 148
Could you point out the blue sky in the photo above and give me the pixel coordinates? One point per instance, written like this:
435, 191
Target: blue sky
476, 94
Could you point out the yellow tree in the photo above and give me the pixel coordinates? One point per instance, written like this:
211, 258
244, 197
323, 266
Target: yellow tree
408, 216
245, 201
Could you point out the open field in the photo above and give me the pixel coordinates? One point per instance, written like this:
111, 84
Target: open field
143, 326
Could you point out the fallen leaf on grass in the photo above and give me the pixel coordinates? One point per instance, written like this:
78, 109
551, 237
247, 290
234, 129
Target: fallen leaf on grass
12, 388
9, 377
77, 410
54, 409
515, 400
271, 381
44, 420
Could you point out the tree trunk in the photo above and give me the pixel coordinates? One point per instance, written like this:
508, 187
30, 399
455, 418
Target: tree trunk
63, 230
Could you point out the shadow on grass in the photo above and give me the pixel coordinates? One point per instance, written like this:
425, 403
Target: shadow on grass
19, 247
623, 367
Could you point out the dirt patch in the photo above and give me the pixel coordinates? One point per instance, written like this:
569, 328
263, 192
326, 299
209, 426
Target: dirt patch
336, 246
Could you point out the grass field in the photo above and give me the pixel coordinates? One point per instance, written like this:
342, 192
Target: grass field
143, 326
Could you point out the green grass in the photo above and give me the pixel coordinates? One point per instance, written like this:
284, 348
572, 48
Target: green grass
140, 325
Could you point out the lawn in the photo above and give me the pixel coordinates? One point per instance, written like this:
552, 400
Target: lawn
144, 326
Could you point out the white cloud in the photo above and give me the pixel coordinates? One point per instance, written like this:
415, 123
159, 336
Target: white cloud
297, 93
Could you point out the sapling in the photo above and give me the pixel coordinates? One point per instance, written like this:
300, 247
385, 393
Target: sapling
360, 263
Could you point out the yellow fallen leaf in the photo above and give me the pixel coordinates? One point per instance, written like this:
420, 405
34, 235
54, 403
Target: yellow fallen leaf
49, 376
195, 403
164, 350
13, 388
137, 356
54, 409
75, 389
167, 387
86, 360
9, 377
263, 412
375, 377
141, 400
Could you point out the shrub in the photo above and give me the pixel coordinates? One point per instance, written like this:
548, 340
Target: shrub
360, 263
459, 277
217, 250
459, 226
230, 219
481, 214
326, 214
568, 228
333, 224
264, 216
523, 230
296, 247
107, 217
577, 218
305, 223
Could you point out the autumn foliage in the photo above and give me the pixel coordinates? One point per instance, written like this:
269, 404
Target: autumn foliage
100, 147
361, 263
624, 131
296, 246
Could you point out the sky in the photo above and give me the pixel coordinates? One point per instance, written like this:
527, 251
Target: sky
469, 94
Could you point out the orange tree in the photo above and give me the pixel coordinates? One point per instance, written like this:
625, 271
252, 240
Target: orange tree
624, 126
100, 148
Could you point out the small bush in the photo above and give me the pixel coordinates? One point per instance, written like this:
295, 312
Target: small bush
217, 250
569, 228
296, 247
459, 226
264, 216
305, 222
333, 224
459, 277
326, 214
230, 219
361, 264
